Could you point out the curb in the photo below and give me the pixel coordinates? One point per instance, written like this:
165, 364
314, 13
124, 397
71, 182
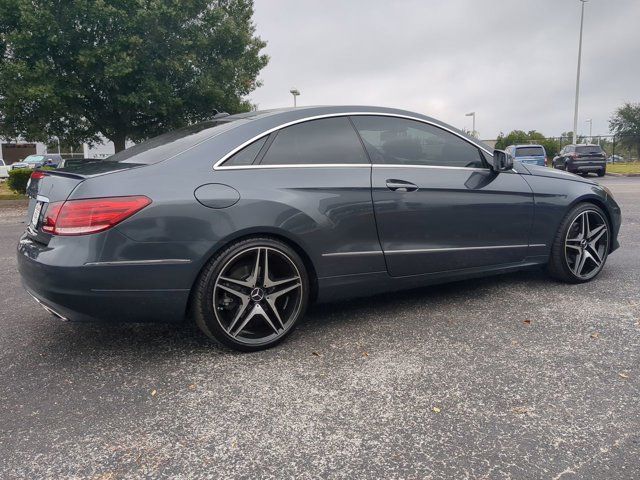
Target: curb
623, 174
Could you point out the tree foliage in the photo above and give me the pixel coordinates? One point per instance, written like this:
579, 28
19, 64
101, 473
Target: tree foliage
128, 69
519, 137
625, 123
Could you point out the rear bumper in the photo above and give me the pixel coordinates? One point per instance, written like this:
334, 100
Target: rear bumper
77, 293
576, 167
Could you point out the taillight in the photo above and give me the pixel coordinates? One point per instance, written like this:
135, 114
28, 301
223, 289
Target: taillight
81, 217
37, 175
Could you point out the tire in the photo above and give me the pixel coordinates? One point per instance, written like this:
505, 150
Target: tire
568, 248
602, 172
236, 305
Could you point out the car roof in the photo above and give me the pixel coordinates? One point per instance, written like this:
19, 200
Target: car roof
527, 145
281, 116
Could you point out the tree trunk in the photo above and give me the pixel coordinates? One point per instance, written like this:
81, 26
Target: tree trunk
119, 141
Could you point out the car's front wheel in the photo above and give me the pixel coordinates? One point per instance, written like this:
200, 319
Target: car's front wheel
581, 245
251, 295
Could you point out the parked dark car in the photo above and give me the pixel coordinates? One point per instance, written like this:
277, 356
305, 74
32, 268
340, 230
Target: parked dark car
241, 222
37, 161
582, 159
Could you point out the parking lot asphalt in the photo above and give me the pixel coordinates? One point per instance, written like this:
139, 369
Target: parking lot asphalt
513, 376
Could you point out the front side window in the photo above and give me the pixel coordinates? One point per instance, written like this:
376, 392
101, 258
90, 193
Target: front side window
323, 141
400, 141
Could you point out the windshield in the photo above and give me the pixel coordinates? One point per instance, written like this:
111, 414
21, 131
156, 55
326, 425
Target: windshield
33, 159
589, 149
529, 152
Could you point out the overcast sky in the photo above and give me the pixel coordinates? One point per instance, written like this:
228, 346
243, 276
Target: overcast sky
513, 62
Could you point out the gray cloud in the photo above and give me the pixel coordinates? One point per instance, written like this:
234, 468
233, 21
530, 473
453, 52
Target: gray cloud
513, 62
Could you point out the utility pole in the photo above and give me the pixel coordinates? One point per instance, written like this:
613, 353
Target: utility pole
575, 113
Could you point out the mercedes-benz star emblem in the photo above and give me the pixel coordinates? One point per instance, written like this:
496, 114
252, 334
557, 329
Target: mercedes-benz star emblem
257, 294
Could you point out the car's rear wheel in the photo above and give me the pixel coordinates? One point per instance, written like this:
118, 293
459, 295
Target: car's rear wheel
602, 172
251, 295
581, 245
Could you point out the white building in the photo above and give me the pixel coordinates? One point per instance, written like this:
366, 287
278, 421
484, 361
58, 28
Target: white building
13, 151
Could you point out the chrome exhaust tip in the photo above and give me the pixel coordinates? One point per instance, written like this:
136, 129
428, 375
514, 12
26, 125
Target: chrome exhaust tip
49, 309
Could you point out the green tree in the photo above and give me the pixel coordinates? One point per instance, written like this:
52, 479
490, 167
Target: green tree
625, 123
514, 137
128, 69
520, 137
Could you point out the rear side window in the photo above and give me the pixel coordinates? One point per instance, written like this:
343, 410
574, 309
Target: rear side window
589, 149
400, 141
529, 152
327, 140
247, 155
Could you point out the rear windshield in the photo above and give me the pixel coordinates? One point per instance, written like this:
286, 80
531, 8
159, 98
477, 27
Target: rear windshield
529, 152
588, 149
170, 144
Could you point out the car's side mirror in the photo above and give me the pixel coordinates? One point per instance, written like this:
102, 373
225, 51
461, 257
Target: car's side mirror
502, 161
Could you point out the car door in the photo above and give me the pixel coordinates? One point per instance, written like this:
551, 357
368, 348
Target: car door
312, 182
438, 206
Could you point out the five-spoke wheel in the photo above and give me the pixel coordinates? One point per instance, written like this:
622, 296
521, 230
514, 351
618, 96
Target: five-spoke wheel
252, 294
581, 246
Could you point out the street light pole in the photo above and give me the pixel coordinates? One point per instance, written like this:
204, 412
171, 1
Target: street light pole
575, 113
472, 114
590, 122
295, 92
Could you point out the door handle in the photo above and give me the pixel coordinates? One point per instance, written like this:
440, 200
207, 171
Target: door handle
401, 186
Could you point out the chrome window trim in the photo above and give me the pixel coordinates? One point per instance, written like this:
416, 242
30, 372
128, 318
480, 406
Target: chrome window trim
296, 165
393, 165
219, 164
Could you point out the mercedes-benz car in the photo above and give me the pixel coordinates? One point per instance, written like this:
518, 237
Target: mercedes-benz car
241, 222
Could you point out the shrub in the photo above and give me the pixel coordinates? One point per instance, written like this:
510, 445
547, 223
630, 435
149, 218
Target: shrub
18, 179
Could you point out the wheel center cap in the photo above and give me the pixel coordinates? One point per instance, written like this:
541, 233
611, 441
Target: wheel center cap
257, 294
583, 243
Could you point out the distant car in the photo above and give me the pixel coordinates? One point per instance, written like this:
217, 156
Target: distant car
35, 161
582, 159
615, 158
4, 170
531, 154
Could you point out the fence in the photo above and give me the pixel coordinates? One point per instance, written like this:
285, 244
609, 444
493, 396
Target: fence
619, 148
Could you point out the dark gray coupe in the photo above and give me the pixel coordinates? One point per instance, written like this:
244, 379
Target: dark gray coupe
242, 221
